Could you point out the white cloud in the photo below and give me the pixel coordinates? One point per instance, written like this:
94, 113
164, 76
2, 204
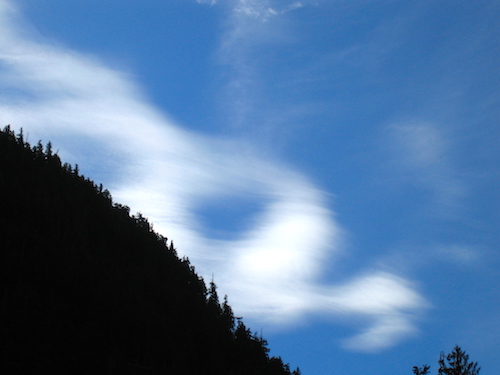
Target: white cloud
460, 254
150, 163
254, 29
382, 334
380, 293
210, 2
258, 9
389, 301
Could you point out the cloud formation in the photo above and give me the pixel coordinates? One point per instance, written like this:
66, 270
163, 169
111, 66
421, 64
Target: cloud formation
98, 118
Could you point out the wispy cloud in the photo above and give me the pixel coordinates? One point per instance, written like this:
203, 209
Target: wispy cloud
99, 119
389, 301
252, 28
211, 2
259, 9
263, 9
420, 155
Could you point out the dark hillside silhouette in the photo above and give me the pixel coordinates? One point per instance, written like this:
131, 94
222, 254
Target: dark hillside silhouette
85, 288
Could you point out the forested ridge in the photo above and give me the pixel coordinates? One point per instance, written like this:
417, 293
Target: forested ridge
86, 288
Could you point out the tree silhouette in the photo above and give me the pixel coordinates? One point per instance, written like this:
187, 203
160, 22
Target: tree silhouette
457, 363
421, 371
454, 363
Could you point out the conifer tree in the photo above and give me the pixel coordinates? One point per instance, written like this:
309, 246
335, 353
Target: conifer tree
227, 316
454, 363
457, 363
213, 298
421, 371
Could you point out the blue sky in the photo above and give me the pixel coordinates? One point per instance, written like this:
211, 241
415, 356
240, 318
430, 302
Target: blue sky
334, 164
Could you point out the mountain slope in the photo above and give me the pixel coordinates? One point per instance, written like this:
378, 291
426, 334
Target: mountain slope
86, 288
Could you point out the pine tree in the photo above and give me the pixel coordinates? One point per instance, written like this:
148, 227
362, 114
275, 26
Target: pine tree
457, 363
227, 316
454, 363
421, 371
213, 300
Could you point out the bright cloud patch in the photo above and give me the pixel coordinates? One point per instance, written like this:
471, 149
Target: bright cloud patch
97, 118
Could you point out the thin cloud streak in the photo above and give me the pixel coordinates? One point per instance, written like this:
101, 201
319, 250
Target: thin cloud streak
251, 27
97, 115
258, 9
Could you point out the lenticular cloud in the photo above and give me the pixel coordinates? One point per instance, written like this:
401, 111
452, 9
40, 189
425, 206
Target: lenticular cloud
97, 118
